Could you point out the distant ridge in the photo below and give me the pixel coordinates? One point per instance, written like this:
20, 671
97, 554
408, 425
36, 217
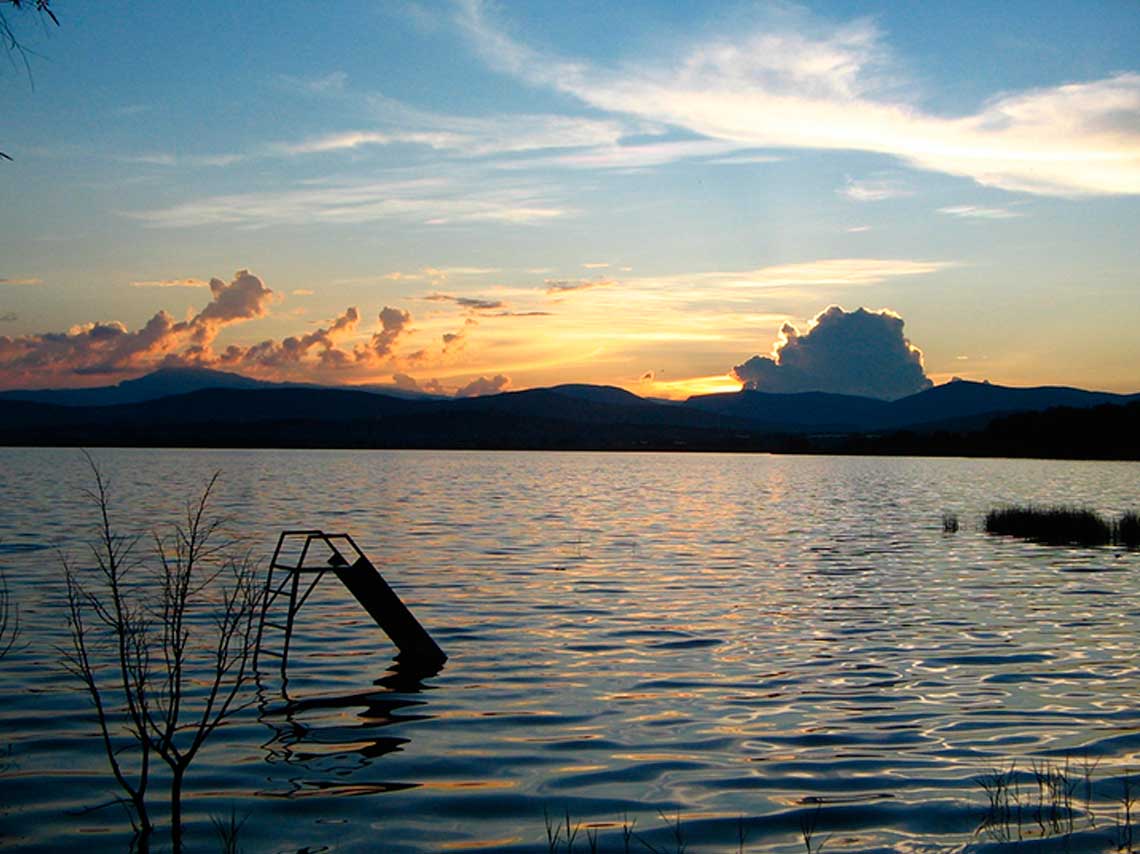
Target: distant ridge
956, 401
196, 407
161, 383
176, 380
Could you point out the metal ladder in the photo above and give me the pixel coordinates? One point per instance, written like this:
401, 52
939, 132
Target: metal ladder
361, 579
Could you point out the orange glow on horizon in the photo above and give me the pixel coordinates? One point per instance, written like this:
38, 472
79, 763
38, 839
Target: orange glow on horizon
681, 389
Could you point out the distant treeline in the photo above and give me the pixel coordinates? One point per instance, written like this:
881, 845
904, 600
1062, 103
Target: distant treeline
1099, 433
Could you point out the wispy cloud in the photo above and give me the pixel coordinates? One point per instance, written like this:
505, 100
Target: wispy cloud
978, 212
809, 87
444, 272
564, 286
836, 272
435, 201
171, 159
474, 303
396, 123
28, 280
874, 189
172, 283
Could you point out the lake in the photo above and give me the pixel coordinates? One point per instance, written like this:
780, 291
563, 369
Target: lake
744, 644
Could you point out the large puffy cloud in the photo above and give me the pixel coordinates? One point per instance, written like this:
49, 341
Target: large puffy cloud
860, 352
111, 348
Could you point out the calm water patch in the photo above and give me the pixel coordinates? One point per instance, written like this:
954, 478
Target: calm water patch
787, 641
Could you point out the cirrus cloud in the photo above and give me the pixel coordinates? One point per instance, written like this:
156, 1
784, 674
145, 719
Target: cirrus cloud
809, 85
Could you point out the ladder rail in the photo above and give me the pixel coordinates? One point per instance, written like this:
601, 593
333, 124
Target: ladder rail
360, 577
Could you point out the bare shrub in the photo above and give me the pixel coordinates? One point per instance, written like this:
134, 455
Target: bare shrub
163, 644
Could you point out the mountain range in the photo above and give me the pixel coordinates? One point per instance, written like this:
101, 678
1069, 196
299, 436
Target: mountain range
197, 407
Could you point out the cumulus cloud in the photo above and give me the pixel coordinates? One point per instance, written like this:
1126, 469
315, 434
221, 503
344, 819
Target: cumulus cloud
405, 382
393, 322
484, 386
289, 352
860, 352
109, 347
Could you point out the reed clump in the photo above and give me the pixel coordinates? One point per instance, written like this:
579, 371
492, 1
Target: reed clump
1062, 526
1128, 530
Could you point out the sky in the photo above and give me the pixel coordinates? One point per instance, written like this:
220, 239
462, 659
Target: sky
674, 198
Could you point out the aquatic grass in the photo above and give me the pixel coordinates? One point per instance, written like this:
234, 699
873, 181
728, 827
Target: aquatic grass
1063, 526
1044, 808
562, 834
1128, 530
949, 523
1053, 525
228, 828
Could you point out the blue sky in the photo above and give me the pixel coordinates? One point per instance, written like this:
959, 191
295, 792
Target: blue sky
640, 194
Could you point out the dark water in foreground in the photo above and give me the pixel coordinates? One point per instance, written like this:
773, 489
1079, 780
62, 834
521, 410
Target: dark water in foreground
775, 639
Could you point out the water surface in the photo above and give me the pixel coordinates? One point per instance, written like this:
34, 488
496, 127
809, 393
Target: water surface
741, 640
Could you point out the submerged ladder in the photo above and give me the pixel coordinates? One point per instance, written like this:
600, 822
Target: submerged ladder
318, 554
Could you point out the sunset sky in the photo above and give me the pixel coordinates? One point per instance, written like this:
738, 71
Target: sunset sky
475, 196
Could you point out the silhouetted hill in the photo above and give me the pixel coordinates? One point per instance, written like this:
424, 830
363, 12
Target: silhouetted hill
601, 394
956, 405
963, 399
538, 419
806, 411
238, 406
959, 418
161, 383
166, 382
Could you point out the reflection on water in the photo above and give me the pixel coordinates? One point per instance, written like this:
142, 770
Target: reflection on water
312, 737
759, 644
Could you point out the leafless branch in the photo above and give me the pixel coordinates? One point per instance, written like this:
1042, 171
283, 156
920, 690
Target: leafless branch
179, 640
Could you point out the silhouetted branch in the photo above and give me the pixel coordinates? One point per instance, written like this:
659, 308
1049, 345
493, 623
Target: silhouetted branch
11, 42
180, 638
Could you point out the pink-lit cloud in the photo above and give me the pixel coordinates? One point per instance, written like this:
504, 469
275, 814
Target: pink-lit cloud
111, 348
